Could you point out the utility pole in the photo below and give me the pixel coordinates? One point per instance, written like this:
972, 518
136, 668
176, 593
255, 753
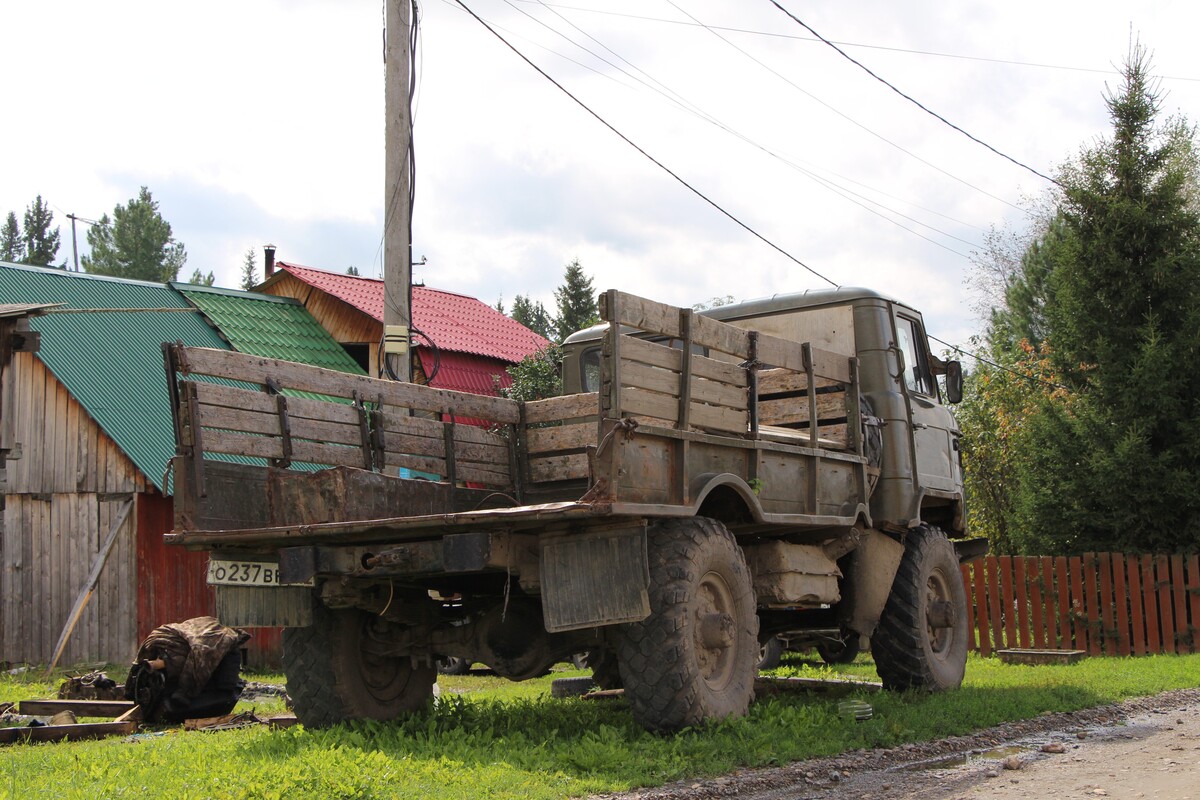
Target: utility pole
74, 241
397, 204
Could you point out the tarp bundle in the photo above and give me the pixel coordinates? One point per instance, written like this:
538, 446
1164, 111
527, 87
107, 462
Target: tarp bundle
200, 672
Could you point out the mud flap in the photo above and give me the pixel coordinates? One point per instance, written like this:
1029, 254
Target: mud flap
872, 571
595, 577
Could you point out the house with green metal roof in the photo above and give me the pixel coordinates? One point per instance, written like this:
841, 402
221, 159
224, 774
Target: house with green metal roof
85, 438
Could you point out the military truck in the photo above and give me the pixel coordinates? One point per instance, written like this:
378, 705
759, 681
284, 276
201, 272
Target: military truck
713, 480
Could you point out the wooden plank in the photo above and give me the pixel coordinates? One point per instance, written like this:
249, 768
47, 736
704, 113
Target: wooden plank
1193, 591
994, 607
795, 410
302, 377
1166, 609
621, 308
658, 354
81, 708
492, 455
1108, 623
1050, 602
1137, 615
666, 382
1036, 604
972, 640
1007, 595
70, 733
230, 419
1021, 599
1121, 597
1183, 638
435, 466
563, 437
558, 468
715, 335
779, 381
408, 444
981, 605
570, 406
396, 421
1150, 603
1078, 610
717, 418
475, 473
1091, 597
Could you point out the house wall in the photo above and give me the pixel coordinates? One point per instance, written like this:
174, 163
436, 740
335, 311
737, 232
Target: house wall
63, 494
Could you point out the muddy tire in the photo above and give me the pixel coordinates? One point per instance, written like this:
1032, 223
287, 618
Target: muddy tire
332, 675
605, 670
921, 641
695, 657
770, 653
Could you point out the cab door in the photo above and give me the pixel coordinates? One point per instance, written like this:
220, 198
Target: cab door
935, 432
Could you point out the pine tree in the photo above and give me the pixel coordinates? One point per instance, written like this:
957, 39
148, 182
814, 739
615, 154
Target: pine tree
41, 243
533, 315
200, 279
12, 247
575, 301
352, 270
136, 243
249, 271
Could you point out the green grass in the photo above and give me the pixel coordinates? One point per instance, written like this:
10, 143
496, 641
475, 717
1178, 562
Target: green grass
492, 738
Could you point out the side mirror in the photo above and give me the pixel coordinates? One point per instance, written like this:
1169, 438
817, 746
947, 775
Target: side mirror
954, 382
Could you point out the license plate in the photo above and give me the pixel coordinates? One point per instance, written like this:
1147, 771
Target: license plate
223, 572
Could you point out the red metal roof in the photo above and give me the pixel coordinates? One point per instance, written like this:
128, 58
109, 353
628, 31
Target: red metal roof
454, 322
465, 373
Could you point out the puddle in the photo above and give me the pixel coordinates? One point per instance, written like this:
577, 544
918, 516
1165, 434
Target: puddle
964, 759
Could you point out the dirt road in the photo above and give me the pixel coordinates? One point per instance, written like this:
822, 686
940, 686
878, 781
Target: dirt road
1143, 748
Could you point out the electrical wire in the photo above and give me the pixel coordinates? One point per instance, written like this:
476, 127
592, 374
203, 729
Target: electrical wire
686, 105
910, 99
885, 48
990, 363
649, 157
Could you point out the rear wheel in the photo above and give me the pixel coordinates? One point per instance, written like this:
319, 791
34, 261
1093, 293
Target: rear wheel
337, 672
694, 658
605, 671
839, 651
770, 653
921, 641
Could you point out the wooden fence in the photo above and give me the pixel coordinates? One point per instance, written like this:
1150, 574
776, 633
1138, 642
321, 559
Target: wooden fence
1102, 603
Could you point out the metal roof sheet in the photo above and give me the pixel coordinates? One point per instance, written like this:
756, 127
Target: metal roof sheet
454, 322
466, 373
269, 326
111, 359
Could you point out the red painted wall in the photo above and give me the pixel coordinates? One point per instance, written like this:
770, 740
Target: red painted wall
171, 582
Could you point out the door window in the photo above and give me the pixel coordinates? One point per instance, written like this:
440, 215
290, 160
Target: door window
916, 366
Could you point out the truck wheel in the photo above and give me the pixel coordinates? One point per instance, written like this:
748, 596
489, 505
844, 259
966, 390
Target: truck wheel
770, 653
921, 641
332, 675
453, 665
694, 658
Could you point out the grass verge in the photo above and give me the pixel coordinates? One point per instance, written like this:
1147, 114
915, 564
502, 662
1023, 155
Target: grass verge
491, 738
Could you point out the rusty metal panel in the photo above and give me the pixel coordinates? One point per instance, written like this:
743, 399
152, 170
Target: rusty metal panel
598, 577
258, 606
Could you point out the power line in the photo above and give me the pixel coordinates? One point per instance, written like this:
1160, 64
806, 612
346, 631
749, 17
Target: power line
685, 104
990, 363
843, 115
915, 102
886, 48
649, 157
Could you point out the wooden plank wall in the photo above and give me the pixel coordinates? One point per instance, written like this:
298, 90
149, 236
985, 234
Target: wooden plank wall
1103, 603
62, 497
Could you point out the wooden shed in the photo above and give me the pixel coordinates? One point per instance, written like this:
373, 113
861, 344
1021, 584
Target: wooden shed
85, 438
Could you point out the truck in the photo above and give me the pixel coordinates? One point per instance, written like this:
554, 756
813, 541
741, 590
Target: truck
708, 481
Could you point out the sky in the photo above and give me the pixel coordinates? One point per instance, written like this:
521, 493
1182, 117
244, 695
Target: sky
256, 121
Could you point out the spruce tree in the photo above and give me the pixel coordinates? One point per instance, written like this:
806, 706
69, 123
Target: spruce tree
200, 279
533, 315
249, 271
41, 243
12, 247
1119, 467
575, 301
135, 243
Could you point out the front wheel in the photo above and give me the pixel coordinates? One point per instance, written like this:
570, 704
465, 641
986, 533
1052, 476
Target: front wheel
694, 658
921, 641
336, 671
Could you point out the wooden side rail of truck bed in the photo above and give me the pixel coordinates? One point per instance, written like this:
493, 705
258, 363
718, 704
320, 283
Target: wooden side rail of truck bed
777, 421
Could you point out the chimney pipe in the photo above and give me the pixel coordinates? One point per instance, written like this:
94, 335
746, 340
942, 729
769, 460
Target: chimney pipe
269, 259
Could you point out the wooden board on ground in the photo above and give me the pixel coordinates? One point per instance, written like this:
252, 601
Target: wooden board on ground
71, 733
80, 708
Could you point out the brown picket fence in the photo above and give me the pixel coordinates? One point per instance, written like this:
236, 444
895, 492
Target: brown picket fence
1101, 603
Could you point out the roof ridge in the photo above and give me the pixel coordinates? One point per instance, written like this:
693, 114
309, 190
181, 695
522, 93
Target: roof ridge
86, 275
239, 293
